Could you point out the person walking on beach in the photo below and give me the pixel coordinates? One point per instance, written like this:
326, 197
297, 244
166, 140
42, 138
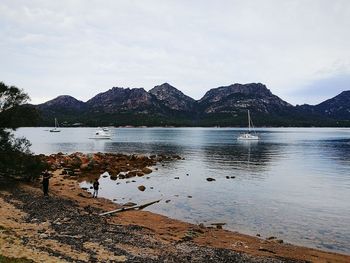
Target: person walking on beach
46, 178
96, 186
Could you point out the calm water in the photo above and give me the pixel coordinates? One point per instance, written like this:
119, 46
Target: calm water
293, 184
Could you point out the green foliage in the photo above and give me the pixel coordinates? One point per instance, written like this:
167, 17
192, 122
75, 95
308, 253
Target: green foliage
16, 160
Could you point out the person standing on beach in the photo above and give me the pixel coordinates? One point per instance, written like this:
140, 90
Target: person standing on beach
96, 186
46, 178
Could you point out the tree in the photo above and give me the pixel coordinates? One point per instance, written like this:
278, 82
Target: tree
16, 160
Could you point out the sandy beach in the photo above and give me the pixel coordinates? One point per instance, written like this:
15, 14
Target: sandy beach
66, 227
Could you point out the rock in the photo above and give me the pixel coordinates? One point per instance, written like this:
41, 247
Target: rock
130, 174
279, 241
140, 174
176, 177
121, 176
147, 170
176, 157
190, 196
141, 188
233, 177
270, 238
114, 177
151, 187
227, 177
43, 235
84, 188
258, 235
209, 179
167, 201
104, 176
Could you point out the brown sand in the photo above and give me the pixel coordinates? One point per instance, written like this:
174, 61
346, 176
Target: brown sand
165, 230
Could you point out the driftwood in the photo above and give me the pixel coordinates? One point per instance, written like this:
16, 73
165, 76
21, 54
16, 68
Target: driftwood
123, 209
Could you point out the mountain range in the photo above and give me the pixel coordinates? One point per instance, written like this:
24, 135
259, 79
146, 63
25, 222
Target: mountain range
164, 105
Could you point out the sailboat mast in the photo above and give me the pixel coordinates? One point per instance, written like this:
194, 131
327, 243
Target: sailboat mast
248, 121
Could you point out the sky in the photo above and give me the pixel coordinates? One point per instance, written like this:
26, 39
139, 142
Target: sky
300, 49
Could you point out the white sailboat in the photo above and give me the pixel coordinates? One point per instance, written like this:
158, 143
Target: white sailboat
56, 127
248, 136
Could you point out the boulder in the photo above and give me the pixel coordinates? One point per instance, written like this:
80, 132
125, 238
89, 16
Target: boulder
147, 170
141, 188
140, 174
114, 177
130, 174
209, 179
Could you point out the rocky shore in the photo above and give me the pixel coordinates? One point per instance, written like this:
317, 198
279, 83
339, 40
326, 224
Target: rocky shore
66, 227
117, 165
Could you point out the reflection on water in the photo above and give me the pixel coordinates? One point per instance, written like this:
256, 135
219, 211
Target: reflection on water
293, 183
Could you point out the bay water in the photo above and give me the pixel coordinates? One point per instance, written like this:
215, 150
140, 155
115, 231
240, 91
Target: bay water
294, 183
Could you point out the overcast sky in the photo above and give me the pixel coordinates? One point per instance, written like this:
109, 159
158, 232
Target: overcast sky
299, 49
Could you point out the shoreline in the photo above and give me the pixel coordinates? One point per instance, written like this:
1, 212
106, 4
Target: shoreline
165, 231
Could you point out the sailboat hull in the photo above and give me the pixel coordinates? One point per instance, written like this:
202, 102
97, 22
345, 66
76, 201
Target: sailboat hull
248, 137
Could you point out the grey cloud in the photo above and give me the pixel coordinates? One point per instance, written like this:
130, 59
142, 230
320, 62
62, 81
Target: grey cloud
85, 47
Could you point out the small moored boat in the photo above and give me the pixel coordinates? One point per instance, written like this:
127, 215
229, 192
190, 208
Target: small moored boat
248, 135
56, 127
101, 133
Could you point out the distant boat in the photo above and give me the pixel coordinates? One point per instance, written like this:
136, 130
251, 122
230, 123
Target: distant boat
101, 133
56, 127
248, 136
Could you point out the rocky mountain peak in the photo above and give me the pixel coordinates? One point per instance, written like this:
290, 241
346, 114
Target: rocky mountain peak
238, 97
121, 99
63, 101
173, 98
337, 107
255, 89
